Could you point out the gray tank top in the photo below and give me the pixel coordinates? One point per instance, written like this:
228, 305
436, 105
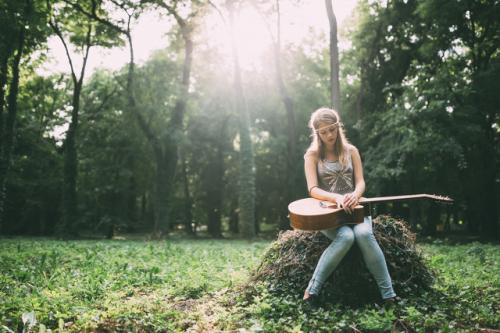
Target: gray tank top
333, 177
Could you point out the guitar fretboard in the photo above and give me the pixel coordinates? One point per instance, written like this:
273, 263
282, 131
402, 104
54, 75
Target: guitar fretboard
405, 197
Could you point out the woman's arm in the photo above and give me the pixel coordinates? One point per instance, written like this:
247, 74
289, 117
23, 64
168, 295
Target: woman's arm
351, 199
310, 168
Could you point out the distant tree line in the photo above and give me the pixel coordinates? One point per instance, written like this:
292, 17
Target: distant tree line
192, 142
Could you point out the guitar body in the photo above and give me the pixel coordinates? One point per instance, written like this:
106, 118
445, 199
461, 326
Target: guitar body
310, 214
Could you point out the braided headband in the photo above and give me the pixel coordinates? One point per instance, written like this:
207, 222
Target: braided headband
336, 125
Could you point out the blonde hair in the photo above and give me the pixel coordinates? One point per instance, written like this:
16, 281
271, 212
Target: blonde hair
342, 146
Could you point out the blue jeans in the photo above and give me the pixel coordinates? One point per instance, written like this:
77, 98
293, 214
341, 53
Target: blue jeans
342, 240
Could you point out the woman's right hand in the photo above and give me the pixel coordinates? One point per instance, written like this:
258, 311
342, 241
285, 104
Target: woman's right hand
350, 201
340, 200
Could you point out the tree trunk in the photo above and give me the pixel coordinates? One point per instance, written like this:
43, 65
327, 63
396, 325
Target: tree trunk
7, 132
145, 215
161, 192
433, 218
168, 158
481, 190
69, 198
233, 217
68, 225
246, 191
359, 99
130, 201
456, 215
3, 84
188, 201
483, 158
415, 217
215, 188
292, 153
160, 211
447, 222
488, 213
399, 210
334, 57
482, 208
176, 122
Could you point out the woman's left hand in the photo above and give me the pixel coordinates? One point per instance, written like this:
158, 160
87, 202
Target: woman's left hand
350, 201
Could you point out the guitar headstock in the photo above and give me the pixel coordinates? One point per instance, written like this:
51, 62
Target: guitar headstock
439, 198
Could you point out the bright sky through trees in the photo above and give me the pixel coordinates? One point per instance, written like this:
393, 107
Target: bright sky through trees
150, 34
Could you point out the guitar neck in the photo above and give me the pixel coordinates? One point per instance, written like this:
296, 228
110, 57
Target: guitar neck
405, 198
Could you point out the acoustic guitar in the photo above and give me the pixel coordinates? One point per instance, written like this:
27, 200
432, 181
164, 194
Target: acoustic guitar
314, 214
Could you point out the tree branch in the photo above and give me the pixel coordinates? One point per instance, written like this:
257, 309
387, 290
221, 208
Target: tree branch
55, 28
88, 44
93, 15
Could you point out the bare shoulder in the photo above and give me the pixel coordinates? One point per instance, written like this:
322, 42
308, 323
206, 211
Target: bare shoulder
352, 150
354, 153
311, 154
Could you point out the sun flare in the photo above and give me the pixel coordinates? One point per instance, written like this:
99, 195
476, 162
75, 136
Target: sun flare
252, 35
252, 38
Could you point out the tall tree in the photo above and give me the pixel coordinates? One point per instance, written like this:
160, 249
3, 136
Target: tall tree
246, 177
165, 150
427, 70
7, 130
473, 26
22, 32
34, 182
121, 26
111, 177
334, 57
71, 27
293, 162
189, 226
167, 157
207, 151
246, 191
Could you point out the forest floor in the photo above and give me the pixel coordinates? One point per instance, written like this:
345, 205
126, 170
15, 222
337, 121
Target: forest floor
201, 286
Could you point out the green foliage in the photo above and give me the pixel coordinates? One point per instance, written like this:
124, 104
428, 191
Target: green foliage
287, 266
75, 25
33, 185
175, 285
419, 100
421, 73
90, 284
463, 299
114, 169
15, 16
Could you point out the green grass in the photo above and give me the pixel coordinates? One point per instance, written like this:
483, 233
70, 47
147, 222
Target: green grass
176, 285
465, 298
87, 283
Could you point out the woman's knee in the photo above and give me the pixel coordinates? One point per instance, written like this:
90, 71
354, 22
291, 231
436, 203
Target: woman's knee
363, 232
346, 236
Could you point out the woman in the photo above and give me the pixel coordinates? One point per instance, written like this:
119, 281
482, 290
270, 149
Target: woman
334, 173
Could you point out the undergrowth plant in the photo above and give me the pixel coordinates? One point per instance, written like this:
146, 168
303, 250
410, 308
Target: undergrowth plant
199, 285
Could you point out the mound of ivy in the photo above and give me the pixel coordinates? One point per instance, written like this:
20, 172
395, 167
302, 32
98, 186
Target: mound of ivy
289, 264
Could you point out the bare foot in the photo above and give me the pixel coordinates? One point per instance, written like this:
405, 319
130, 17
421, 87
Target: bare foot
306, 295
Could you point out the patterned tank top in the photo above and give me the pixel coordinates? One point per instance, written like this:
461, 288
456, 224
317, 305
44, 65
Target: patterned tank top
333, 177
